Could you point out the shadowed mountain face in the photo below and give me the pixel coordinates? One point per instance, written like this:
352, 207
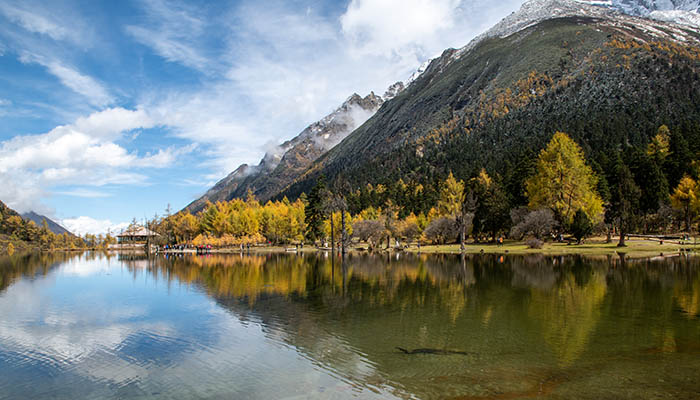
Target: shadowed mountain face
39, 221
283, 164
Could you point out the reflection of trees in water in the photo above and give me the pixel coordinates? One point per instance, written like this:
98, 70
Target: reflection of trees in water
349, 315
13, 268
569, 310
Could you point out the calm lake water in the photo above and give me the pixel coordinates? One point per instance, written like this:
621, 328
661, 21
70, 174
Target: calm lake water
287, 326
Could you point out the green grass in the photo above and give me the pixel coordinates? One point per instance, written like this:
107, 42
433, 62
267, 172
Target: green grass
634, 248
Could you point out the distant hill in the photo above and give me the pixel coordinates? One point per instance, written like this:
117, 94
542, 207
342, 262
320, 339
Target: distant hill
38, 220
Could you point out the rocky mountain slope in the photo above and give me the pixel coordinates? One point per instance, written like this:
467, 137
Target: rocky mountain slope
607, 78
281, 166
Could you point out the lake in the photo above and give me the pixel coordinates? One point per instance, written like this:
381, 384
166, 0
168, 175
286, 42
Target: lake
310, 326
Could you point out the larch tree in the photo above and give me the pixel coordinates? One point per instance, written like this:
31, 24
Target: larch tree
685, 199
659, 147
456, 204
451, 197
564, 182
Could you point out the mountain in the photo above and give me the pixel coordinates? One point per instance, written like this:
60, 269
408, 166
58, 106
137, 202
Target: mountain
646, 7
606, 72
607, 78
283, 164
39, 220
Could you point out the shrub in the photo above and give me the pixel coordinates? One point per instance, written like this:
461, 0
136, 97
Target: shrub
534, 243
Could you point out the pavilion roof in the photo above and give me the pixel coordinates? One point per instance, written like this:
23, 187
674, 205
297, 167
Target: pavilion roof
137, 230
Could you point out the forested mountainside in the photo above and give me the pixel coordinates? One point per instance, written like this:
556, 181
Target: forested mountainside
609, 80
20, 234
39, 221
282, 165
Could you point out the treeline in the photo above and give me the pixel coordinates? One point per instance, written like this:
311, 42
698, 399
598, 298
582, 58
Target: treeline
21, 234
235, 222
650, 190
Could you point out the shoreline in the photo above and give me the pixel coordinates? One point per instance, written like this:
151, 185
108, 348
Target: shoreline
635, 248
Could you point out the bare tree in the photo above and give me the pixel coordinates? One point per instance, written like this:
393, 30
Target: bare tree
465, 219
442, 230
538, 223
370, 231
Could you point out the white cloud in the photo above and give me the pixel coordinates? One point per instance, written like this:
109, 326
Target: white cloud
111, 122
382, 27
5, 102
82, 225
34, 22
84, 193
84, 153
71, 78
81, 84
171, 30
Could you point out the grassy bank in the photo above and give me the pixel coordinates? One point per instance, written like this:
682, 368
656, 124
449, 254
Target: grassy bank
597, 246
592, 247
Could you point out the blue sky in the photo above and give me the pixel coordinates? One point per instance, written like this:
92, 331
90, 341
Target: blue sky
111, 110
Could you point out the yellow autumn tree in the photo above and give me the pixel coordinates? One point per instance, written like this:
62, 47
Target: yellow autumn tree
685, 199
451, 197
563, 181
659, 146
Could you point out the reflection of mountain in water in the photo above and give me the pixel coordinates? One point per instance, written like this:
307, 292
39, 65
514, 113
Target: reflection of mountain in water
349, 317
13, 268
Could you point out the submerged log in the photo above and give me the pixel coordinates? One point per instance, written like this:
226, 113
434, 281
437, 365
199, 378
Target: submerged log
433, 351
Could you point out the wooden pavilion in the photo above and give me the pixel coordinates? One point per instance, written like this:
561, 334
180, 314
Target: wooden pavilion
136, 234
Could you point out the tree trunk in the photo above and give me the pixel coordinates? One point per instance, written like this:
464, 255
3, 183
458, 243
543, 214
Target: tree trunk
343, 236
332, 236
621, 243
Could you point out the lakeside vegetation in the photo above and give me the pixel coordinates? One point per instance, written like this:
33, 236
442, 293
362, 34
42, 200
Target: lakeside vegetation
565, 198
20, 235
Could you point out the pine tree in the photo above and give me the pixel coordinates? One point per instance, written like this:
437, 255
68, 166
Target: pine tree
624, 201
314, 212
677, 164
581, 226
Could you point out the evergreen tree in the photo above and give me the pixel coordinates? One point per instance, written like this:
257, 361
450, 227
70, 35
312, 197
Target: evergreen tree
314, 212
624, 199
581, 227
677, 164
492, 211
